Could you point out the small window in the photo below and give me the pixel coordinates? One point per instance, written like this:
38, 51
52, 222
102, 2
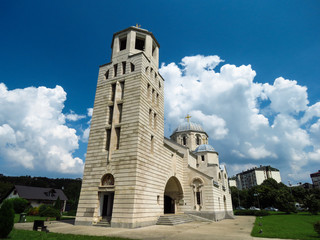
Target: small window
147, 68
106, 74
158, 199
107, 180
132, 67
202, 158
110, 114
150, 117
113, 91
115, 70
120, 112
123, 43
124, 67
157, 99
148, 90
198, 198
153, 95
122, 90
155, 121
118, 137
219, 176
139, 43
155, 76
108, 137
152, 143
159, 85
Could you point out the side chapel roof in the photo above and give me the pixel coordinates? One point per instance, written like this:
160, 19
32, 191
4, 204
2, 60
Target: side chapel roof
204, 148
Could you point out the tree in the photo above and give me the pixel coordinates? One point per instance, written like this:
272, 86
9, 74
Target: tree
284, 201
316, 227
57, 204
19, 204
299, 193
6, 218
312, 203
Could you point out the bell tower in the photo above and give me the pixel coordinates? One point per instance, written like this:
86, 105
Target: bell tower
127, 127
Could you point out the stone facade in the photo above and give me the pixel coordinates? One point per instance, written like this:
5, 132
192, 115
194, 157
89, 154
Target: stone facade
132, 173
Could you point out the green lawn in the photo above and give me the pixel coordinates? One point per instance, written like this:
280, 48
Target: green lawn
34, 235
290, 226
32, 218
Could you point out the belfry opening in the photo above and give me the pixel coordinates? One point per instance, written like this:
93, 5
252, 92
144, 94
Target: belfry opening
172, 195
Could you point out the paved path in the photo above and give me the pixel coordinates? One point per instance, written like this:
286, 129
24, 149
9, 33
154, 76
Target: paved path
230, 229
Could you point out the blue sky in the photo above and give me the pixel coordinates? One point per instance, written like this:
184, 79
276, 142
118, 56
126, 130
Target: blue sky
62, 43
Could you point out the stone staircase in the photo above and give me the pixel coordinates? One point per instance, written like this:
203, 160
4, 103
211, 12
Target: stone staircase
174, 219
103, 223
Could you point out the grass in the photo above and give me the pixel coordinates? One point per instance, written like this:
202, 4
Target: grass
32, 218
35, 235
289, 226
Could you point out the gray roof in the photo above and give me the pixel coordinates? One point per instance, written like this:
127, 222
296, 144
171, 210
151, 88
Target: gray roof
189, 126
40, 193
204, 148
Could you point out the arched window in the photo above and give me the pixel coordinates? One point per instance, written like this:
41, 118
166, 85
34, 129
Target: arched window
107, 179
184, 140
198, 140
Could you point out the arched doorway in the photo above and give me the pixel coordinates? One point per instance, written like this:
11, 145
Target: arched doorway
106, 196
172, 194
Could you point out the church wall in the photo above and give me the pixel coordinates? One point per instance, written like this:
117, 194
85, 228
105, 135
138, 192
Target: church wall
140, 162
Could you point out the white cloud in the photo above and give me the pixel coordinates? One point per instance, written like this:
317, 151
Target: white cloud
89, 112
287, 96
85, 134
72, 116
260, 152
33, 133
247, 121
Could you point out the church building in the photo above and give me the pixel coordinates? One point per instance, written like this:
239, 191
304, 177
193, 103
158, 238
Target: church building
133, 174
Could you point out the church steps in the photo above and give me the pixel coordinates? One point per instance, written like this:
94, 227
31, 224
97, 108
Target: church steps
174, 219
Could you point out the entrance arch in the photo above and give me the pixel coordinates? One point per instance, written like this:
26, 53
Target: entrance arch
172, 194
106, 196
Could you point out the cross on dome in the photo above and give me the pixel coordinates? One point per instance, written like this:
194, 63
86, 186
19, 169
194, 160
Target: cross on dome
188, 117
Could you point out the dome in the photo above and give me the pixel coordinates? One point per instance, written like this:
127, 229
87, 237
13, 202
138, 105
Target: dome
189, 126
204, 148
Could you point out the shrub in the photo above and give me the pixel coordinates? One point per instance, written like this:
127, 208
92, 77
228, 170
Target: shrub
33, 211
313, 204
245, 212
261, 213
51, 212
57, 204
71, 213
19, 204
6, 218
316, 227
250, 212
42, 208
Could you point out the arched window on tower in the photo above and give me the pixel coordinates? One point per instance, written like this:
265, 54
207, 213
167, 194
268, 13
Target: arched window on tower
184, 140
198, 139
